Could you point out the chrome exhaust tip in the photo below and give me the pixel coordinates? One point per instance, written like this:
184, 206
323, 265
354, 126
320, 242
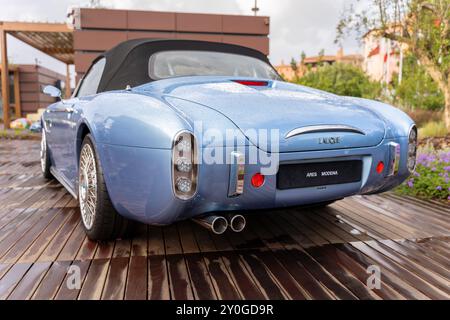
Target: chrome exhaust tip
237, 222
217, 224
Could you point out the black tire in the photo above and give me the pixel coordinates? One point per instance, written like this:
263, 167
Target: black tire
107, 224
45, 157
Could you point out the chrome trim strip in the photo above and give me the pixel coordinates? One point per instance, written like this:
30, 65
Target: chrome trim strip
64, 183
237, 173
323, 128
394, 159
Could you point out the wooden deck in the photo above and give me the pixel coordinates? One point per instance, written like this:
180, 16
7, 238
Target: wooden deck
284, 254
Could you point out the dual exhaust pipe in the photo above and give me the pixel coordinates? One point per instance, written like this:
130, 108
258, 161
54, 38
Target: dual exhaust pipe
220, 224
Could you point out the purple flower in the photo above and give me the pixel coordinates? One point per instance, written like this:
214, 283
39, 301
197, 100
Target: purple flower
439, 188
434, 169
447, 168
411, 183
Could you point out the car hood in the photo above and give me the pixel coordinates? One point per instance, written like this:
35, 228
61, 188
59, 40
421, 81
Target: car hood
286, 108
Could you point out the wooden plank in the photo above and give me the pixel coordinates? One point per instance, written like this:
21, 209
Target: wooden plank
26, 287
9, 281
105, 250
137, 279
202, 286
95, 279
4, 268
87, 250
267, 283
403, 273
4, 78
139, 244
17, 100
73, 244
158, 280
388, 279
122, 248
212, 251
155, 241
114, 288
180, 283
52, 281
66, 293
29, 248
242, 279
58, 242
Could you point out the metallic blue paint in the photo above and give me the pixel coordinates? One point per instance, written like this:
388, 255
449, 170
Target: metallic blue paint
134, 129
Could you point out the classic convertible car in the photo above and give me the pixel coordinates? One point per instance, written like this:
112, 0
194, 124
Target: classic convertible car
165, 130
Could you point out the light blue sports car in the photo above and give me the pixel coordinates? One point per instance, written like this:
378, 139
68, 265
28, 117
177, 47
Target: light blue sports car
165, 130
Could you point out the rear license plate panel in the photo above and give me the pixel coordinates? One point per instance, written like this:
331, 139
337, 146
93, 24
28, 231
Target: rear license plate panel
304, 175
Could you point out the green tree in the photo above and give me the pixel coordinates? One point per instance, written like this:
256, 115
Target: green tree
342, 79
294, 67
417, 89
302, 56
422, 25
321, 55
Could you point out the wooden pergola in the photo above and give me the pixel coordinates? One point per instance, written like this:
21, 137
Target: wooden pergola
54, 39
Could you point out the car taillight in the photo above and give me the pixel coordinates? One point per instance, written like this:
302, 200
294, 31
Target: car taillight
380, 167
184, 165
258, 180
412, 148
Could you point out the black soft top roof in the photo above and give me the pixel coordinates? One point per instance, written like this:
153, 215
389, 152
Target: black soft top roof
127, 63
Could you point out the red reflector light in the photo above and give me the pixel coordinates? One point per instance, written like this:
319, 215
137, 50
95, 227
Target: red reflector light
380, 167
252, 83
257, 180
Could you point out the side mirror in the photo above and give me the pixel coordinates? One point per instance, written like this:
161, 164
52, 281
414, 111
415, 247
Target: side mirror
52, 91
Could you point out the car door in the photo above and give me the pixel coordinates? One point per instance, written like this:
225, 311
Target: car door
74, 110
58, 115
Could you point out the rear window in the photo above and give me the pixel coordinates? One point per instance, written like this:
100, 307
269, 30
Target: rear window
169, 64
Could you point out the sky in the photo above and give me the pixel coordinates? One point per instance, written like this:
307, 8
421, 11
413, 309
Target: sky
296, 25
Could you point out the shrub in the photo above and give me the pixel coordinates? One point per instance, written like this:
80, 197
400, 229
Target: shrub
431, 179
422, 117
342, 79
417, 90
433, 129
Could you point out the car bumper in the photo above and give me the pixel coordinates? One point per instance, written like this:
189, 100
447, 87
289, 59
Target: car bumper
140, 185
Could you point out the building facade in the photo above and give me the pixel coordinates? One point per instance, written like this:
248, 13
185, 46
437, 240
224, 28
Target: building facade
25, 88
98, 30
383, 58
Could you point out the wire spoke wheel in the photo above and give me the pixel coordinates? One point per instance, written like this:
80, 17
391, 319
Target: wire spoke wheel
87, 189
